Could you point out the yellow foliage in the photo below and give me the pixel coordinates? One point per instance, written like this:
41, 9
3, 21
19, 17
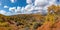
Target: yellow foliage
55, 8
50, 17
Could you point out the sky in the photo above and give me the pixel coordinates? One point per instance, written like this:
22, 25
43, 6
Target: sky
14, 7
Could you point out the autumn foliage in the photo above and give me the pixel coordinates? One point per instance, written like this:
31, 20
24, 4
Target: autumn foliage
52, 19
49, 21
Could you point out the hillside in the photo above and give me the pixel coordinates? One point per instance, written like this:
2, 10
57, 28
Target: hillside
25, 21
50, 21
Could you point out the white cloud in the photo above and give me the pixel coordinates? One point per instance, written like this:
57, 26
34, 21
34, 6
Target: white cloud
52, 2
22, 10
12, 9
8, 13
2, 12
5, 13
29, 1
18, 9
33, 9
15, 9
6, 7
12, 1
41, 2
40, 6
29, 7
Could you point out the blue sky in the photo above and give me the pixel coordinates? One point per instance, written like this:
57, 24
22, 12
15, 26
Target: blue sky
12, 7
20, 3
16, 3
